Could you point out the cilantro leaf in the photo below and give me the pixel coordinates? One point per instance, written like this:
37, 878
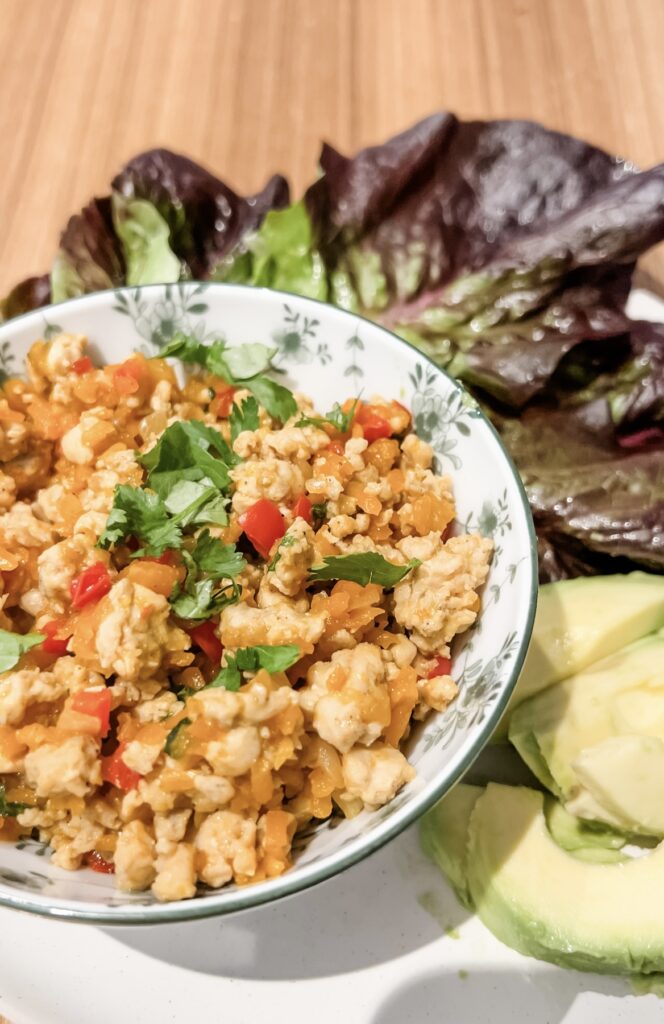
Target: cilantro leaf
140, 513
277, 400
235, 363
365, 567
187, 499
245, 361
217, 559
9, 809
239, 364
244, 417
201, 599
13, 645
183, 453
336, 417
184, 347
276, 658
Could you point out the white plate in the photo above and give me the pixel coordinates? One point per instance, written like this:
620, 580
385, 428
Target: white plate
362, 949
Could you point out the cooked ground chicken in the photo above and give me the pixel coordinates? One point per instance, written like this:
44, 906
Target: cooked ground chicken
194, 694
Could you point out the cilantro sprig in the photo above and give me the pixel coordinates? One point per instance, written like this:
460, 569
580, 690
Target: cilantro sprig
336, 418
276, 658
364, 567
210, 584
241, 366
244, 416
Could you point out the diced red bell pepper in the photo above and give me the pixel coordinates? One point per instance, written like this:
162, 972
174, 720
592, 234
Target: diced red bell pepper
225, 402
302, 508
129, 376
442, 667
54, 644
82, 365
205, 637
95, 861
92, 584
374, 426
115, 771
97, 704
263, 524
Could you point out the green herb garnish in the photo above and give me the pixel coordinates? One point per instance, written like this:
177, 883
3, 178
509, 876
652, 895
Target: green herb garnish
244, 417
273, 659
336, 417
363, 568
210, 583
240, 365
13, 645
142, 514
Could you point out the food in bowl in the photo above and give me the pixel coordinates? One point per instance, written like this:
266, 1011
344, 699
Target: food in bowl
222, 611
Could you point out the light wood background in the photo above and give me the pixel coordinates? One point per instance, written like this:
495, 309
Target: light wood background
252, 86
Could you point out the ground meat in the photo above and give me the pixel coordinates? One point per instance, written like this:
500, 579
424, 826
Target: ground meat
439, 599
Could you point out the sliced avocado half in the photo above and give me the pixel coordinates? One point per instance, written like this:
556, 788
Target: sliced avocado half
444, 835
544, 902
555, 730
581, 621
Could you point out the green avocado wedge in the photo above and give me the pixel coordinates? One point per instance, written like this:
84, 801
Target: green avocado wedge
547, 903
581, 621
553, 729
444, 836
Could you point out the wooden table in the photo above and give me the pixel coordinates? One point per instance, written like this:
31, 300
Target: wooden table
252, 86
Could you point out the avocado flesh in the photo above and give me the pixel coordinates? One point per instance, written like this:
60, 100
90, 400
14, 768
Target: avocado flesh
581, 621
553, 728
585, 840
444, 835
544, 902
624, 775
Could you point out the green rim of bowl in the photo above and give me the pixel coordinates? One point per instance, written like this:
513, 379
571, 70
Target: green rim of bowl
250, 897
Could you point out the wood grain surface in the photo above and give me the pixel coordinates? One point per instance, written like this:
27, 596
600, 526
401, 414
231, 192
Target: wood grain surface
250, 87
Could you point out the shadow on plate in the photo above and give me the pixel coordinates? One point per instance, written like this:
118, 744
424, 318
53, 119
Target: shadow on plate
541, 996
391, 904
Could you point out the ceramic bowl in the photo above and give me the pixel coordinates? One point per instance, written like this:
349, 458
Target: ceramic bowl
330, 355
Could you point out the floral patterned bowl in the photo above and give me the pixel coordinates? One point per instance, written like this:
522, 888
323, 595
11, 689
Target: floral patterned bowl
330, 355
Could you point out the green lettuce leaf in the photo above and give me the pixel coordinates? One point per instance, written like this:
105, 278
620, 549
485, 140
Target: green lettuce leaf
144, 235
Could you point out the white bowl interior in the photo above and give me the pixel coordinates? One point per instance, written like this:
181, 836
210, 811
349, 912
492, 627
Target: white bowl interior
330, 355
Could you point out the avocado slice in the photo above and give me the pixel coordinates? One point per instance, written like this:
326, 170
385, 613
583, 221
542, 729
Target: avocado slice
444, 836
544, 902
581, 621
583, 839
553, 728
624, 775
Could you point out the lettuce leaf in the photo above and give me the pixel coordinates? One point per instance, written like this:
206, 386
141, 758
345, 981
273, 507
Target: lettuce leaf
503, 250
206, 219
